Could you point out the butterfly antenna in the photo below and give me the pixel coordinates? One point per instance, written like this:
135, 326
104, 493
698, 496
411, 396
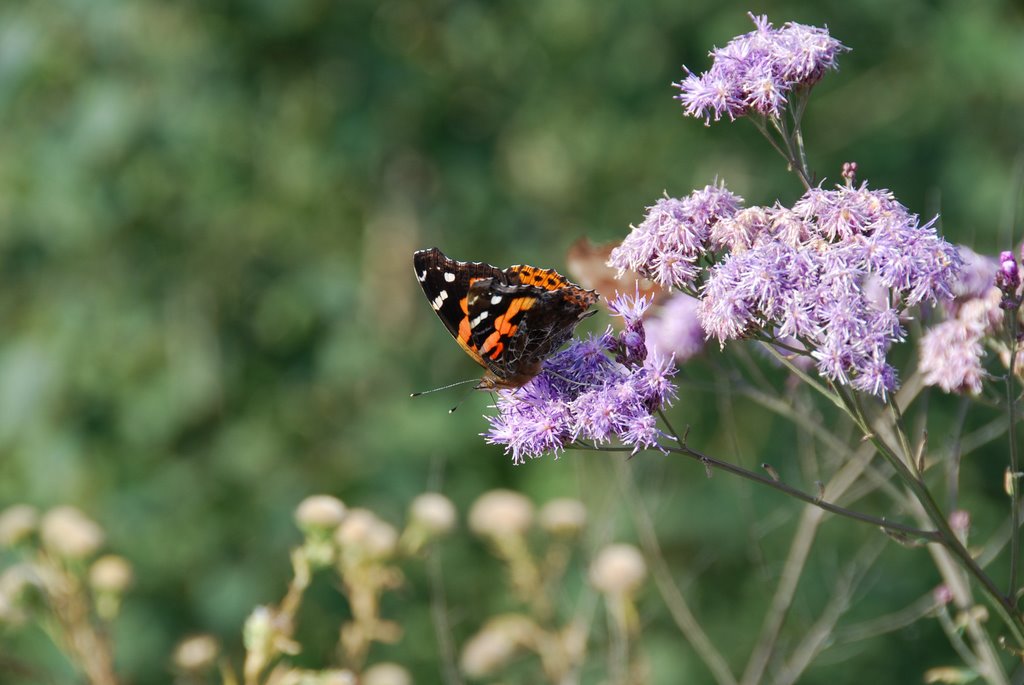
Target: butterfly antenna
464, 397
444, 387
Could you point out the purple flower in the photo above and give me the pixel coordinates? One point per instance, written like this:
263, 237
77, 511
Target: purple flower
675, 331
666, 245
952, 352
830, 273
756, 72
977, 275
1008, 280
951, 358
583, 394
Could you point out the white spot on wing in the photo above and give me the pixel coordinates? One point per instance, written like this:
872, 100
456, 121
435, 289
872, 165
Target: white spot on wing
478, 319
495, 300
422, 276
439, 300
449, 276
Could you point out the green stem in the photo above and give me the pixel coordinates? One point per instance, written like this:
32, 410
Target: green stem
1011, 408
946, 537
708, 461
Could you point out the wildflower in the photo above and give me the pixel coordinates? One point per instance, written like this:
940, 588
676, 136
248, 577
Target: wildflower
583, 394
433, 512
319, 513
618, 570
386, 673
756, 73
674, 234
67, 532
1008, 280
501, 513
362, 535
977, 275
563, 517
111, 573
850, 257
197, 653
495, 644
17, 523
952, 352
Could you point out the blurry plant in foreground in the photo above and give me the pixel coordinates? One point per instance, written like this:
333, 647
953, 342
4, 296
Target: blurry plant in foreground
52, 584
56, 582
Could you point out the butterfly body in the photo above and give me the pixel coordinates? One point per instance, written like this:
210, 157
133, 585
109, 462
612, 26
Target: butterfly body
507, 320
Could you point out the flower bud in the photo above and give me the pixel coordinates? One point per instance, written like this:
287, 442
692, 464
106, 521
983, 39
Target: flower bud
197, 653
486, 653
258, 632
17, 523
564, 517
111, 573
960, 521
942, 594
432, 512
319, 512
386, 674
367, 535
618, 570
68, 533
16, 583
501, 513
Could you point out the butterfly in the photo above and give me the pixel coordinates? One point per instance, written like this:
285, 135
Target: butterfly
507, 320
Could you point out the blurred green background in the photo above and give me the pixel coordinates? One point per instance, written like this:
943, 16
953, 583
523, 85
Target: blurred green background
207, 213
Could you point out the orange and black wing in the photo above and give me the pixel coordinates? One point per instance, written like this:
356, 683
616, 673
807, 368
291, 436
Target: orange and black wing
446, 283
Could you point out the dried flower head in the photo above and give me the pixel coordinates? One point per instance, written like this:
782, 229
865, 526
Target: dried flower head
196, 653
17, 523
496, 643
756, 73
362, 534
386, 674
16, 584
433, 512
319, 512
618, 569
67, 532
111, 573
564, 517
501, 513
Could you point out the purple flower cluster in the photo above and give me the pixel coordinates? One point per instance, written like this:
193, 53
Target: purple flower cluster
674, 234
596, 389
675, 330
756, 72
802, 273
953, 352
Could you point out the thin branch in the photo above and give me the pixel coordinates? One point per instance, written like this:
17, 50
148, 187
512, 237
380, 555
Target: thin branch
1011, 410
439, 617
708, 461
674, 600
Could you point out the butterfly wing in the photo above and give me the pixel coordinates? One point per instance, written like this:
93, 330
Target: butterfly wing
515, 326
508, 320
446, 283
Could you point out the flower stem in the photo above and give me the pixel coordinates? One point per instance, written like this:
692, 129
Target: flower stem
712, 462
944, 534
1011, 406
